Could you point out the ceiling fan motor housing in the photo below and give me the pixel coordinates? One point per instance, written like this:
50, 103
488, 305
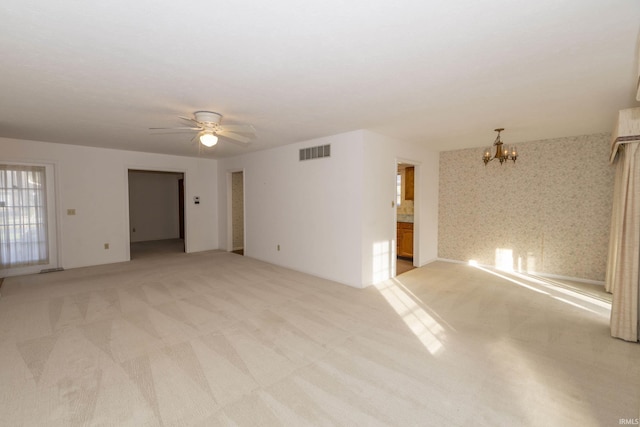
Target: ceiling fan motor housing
208, 117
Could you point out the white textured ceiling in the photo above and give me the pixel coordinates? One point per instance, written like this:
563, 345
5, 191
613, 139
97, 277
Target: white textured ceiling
440, 73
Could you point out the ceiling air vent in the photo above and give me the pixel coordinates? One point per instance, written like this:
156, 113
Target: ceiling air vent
315, 152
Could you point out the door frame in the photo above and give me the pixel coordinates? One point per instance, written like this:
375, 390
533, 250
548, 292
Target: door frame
416, 212
53, 221
126, 203
181, 233
230, 173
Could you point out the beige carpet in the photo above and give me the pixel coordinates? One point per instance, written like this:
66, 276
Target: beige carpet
154, 248
218, 339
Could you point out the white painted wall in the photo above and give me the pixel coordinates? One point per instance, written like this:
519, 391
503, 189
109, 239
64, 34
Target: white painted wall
379, 216
329, 214
312, 209
153, 206
94, 182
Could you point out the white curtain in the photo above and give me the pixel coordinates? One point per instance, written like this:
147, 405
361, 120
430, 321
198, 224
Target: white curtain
23, 216
623, 268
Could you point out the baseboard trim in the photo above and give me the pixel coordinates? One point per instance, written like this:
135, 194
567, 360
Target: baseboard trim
531, 273
429, 261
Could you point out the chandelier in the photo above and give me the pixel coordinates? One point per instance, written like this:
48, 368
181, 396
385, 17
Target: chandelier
502, 153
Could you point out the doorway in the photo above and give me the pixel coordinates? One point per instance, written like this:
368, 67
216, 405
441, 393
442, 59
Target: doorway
406, 215
156, 213
237, 212
28, 225
181, 207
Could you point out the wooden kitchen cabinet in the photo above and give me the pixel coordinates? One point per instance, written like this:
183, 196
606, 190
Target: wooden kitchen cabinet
405, 239
409, 183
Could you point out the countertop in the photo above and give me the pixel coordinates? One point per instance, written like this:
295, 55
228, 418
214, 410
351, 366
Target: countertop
405, 218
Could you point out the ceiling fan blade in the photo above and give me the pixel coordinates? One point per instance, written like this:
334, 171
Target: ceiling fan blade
234, 136
177, 128
237, 128
189, 119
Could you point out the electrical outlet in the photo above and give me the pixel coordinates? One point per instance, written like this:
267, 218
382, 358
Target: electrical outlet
71, 211
134, 229
106, 246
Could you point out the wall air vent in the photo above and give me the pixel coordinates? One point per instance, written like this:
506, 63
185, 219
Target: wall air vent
315, 152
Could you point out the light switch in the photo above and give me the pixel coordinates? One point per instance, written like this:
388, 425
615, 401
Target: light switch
71, 211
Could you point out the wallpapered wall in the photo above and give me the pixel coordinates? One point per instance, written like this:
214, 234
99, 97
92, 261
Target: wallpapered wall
547, 213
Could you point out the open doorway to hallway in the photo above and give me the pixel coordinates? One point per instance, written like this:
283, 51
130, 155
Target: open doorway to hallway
405, 216
237, 212
156, 213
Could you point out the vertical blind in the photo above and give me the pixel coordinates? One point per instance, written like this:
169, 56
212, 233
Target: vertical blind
23, 216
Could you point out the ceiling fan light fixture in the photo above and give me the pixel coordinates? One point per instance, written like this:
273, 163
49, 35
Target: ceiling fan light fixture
208, 128
208, 139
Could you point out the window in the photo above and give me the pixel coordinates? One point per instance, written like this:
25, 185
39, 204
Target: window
398, 189
23, 216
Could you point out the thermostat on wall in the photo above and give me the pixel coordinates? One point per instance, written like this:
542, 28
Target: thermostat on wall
196, 200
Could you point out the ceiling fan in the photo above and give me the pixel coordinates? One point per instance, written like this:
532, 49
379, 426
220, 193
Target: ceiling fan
207, 123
